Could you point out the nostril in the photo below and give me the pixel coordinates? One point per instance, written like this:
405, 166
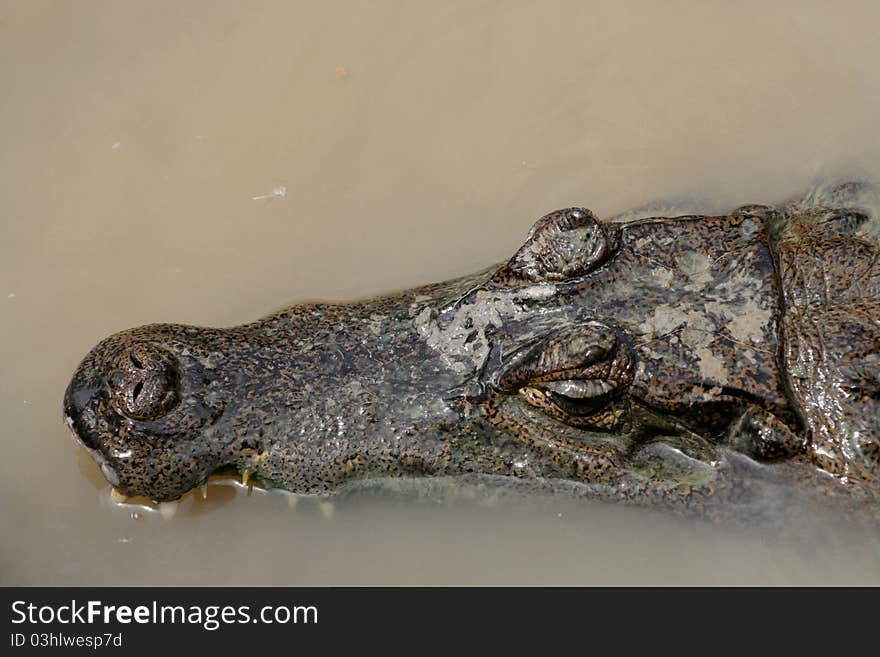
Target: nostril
137, 362
148, 398
138, 387
146, 382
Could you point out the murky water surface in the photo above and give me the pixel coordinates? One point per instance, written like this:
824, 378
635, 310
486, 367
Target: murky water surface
206, 162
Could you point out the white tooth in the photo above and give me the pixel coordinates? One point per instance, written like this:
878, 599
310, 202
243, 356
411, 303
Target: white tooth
327, 509
109, 473
168, 509
204, 490
118, 496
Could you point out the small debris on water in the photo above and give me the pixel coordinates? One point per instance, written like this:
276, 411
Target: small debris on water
341, 72
277, 192
116, 145
11, 295
135, 515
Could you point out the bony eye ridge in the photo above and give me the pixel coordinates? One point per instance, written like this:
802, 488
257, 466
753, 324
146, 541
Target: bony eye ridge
562, 246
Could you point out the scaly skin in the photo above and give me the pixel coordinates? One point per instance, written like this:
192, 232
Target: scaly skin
662, 361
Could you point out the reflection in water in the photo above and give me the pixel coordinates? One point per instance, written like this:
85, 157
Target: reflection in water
145, 147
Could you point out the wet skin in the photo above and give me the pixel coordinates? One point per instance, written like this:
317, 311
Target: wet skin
642, 360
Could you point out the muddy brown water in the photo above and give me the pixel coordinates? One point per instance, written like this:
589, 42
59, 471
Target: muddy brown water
207, 162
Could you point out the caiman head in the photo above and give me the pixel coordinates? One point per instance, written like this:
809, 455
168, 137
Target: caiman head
596, 345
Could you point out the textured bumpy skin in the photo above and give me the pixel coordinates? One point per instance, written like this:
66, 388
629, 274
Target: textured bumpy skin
663, 361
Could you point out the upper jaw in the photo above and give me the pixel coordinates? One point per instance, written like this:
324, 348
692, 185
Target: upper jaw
99, 458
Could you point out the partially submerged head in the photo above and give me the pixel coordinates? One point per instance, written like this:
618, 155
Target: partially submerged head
654, 327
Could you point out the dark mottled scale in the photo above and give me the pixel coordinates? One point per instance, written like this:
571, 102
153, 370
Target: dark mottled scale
830, 281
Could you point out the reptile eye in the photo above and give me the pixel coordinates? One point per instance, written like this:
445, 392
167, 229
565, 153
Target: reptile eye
573, 373
573, 397
145, 385
561, 245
